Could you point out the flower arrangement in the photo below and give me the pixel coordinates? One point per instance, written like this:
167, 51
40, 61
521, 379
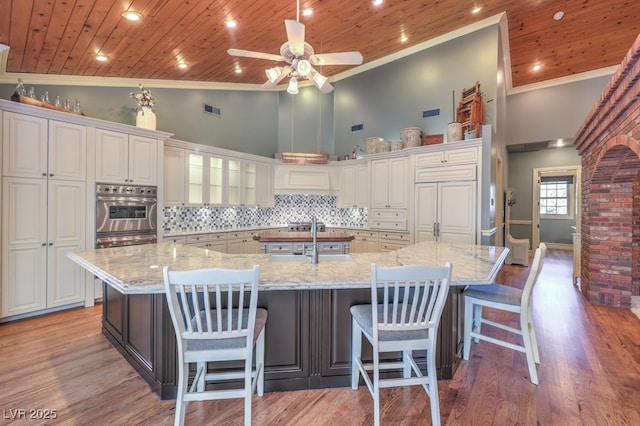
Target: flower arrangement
144, 98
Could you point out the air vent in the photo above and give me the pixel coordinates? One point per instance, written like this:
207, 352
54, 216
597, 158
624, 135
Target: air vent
431, 113
357, 127
210, 109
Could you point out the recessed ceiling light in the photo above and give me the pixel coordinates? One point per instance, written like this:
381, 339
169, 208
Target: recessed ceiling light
377, 2
101, 57
536, 67
231, 24
182, 65
558, 15
238, 70
476, 9
404, 38
307, 12
132, 15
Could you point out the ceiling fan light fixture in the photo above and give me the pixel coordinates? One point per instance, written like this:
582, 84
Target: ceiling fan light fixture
319, 79
293, 86
303, 67
272, 74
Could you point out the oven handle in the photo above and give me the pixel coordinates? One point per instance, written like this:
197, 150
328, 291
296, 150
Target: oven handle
145, 200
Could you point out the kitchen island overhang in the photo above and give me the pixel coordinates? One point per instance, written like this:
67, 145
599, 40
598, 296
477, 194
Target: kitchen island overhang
308, 332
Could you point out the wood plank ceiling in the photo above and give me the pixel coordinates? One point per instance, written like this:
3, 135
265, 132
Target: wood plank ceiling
63, 36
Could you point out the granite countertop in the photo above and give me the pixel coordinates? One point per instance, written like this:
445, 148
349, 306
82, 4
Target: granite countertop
138, 269
274, 236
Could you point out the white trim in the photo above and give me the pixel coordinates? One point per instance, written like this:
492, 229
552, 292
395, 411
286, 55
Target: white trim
520, 222
600, 72
489, 232
559, 246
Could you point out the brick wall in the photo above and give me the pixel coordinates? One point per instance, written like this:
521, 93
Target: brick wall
609, 143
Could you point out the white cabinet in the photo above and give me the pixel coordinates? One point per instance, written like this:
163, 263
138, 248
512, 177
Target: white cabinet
389, 241
305, 179
389, 183
42, 220
354, 185
248, 183
447, 156
364, 242
125, 159
35, 147
173, 177
206, 177
242, 242
446, 211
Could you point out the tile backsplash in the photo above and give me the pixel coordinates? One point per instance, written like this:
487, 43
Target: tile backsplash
287, 208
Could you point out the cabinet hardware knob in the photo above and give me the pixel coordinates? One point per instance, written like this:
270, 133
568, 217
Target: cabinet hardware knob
44, 174
44, 244
50, 244
50, 174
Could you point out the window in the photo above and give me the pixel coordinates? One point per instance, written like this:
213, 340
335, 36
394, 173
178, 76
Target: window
556, 197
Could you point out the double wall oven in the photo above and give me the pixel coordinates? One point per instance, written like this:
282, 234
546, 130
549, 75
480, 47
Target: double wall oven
125, 215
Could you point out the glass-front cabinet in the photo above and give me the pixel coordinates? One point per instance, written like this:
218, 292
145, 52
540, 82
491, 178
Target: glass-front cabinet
205, 179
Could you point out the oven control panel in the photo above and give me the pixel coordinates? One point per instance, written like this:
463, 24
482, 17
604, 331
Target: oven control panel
125, 190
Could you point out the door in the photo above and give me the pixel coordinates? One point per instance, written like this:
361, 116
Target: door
24, 243
112, 157
173, 181
142, 160
24, 147
67, 151
446, 211
66, 225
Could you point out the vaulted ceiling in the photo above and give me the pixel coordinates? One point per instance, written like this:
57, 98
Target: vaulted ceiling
62, 37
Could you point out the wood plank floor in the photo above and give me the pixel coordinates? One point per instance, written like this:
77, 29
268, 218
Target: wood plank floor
590, 374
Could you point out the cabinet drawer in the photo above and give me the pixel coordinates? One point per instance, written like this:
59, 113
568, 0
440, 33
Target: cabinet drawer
391, 245
391, 236
442, 174
279, 248
196, 239
240, 235
328, 248
176, 240
396, 225
218, 237
388, 215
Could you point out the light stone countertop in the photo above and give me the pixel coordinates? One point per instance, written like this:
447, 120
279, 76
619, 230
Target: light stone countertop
138, 269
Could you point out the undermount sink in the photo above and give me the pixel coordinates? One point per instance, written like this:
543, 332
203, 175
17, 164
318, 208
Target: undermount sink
306, 259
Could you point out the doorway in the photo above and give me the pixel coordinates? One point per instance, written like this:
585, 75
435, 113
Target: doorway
556, 206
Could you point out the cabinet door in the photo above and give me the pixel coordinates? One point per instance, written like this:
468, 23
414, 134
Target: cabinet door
362, 180
215, 180
195, 178
174, 176
398, 183
426, 199
380, 184
348, 189
112, 157
143, 160
457, 212
67, 151
66, 232
249, 184
235, 246
234, 187
24, 224
24, 146
265, 185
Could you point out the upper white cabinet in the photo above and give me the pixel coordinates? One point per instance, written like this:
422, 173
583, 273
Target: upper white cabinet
354, 185
447, 156
126, 159
205, 179
249, 183
37, 147
389, 183
173, 182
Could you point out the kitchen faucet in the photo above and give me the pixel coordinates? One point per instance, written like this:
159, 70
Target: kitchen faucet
314, 234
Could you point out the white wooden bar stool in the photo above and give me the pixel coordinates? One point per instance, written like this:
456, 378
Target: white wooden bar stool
406, 320
510, 299
213, 323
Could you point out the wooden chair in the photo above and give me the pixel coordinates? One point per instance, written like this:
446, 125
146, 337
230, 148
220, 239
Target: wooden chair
213, 323
406, 320
510, 299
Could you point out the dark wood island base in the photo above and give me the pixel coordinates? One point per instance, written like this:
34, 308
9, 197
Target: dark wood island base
308, 337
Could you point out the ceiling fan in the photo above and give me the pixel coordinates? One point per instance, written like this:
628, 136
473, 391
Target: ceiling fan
301, 59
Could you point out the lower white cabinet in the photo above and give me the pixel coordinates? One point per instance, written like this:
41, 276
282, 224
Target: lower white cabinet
446, 211
42, 221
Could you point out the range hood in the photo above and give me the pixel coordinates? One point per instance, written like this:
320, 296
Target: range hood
305, 178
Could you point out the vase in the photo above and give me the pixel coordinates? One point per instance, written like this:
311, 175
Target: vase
146, 118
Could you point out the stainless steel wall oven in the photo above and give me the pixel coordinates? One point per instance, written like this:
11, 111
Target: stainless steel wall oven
125, 215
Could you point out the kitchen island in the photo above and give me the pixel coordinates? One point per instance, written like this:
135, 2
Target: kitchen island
308, 335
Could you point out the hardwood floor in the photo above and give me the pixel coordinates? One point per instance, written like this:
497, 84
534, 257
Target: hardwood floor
590, 374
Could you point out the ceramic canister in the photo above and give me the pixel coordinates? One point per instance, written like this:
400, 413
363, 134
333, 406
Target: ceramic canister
397, 145
412, 136
454, 132
373, 144
385, 146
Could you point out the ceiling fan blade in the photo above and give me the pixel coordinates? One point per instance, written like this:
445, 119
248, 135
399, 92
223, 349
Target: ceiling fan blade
339, 58
295, 36
252, 54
